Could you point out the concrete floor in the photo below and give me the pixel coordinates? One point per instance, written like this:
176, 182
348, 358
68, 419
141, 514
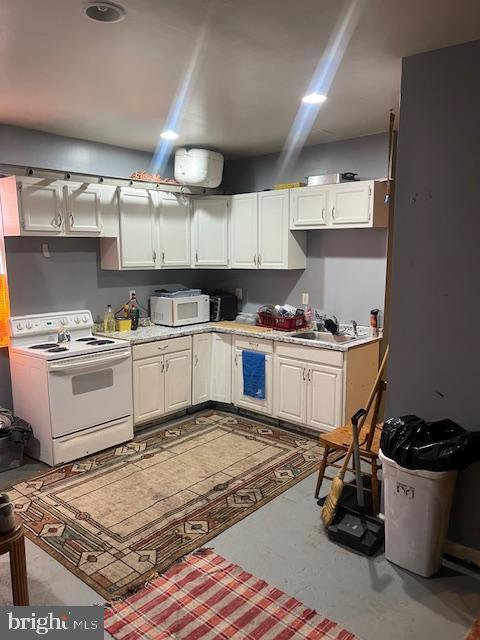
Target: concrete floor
284, 544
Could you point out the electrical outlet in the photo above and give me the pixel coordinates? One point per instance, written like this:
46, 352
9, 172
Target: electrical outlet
305, 298
239, 293
131, 294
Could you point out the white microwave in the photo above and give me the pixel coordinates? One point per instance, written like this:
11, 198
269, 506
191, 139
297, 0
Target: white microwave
175, 312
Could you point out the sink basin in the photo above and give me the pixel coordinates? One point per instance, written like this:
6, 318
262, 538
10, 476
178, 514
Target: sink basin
321, 336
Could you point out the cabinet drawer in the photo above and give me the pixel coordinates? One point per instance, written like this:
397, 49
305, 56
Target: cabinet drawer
254, 344
161, 347
310, 354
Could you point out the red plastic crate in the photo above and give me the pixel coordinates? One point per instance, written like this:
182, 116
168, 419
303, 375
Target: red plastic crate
281, 324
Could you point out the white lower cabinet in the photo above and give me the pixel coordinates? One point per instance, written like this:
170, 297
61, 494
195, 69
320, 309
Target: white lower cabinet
308, 393
148, 389
162, 378
290, 377
202, 357
324, 397
246, 402
221, 368
178, 381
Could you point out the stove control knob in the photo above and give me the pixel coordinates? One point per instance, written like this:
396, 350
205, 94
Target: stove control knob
77, 320
63, 322
28, 325
19, 326
84, 319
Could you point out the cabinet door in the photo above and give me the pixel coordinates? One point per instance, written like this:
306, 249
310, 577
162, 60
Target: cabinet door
148, 389
244, 231
210, 232
83, 208
41, 205
201, 367
178, 381
308, 207
324, 397
137, 229
253, 404
352, 204
290, 389
273, 229
221, 368
174, 230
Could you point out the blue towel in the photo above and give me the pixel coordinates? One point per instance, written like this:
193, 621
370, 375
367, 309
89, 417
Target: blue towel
253, 366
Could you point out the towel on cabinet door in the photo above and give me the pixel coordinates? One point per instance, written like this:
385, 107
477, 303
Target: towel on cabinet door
253, 367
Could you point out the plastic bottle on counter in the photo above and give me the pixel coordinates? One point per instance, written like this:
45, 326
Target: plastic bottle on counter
374, 322
134, 312
109, 319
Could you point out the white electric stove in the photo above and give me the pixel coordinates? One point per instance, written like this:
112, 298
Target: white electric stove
73, 387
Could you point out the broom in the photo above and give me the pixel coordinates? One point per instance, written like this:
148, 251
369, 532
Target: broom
331, 503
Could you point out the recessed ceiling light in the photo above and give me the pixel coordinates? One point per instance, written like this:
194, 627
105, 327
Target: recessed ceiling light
105, 11
314, 98
169, 135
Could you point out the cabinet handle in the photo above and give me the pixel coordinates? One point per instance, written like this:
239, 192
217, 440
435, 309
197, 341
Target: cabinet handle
309, 375
163, 366
255, 260
72, 220
163, 257
236, 359
162, 348
303, 374
154, 256
196, 256
57, 221
323, 214
167, 364
333, 213
254, 344
259, 259
196, 360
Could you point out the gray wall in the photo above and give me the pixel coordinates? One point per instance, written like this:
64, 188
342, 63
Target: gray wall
48, 151
434, 366
366, 156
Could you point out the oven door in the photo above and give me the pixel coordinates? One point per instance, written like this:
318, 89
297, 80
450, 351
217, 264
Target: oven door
87, 391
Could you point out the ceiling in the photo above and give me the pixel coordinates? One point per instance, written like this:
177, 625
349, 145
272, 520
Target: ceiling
63, 73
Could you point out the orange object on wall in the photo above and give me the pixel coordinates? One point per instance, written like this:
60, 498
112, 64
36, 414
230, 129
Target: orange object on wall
4, 299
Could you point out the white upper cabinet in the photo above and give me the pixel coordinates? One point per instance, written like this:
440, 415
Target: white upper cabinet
352, 204
244, 231
348, 205
83, 208
137, 229
210, 232
278, 247
174, 229
309, 207
41, 206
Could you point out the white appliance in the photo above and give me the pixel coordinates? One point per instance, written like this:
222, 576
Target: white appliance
179, 311
77, 394
199, 167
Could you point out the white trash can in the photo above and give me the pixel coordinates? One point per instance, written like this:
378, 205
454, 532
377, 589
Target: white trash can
417, 510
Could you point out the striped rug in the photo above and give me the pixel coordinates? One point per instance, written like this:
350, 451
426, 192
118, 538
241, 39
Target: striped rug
205, 597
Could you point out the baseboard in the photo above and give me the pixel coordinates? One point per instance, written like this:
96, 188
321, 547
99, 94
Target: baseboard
460, 551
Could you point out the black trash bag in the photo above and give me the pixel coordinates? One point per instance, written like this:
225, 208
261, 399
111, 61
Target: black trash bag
442, 445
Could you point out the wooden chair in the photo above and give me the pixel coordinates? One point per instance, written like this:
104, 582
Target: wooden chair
14, 544
337, 442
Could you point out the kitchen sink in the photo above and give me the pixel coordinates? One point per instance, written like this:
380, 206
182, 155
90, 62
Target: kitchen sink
322, 336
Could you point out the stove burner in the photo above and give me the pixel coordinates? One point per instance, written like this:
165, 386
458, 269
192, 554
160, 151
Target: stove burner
84, 339
57, 349
99, 342
46, 345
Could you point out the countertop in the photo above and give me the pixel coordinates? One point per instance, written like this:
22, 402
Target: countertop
156, 332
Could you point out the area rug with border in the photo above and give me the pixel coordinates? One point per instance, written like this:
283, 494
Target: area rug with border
205, 597
117, 517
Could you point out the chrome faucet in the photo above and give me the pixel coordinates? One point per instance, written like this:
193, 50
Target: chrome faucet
354, 327
63, 335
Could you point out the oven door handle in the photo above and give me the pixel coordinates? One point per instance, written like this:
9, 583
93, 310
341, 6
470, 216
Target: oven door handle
66, 367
